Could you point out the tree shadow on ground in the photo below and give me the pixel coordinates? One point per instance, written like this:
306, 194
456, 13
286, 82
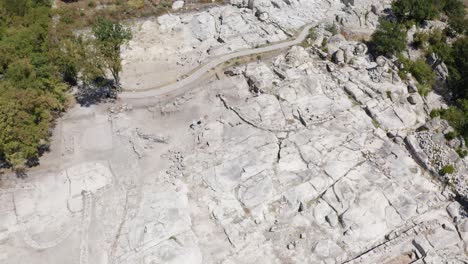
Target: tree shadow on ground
99, 91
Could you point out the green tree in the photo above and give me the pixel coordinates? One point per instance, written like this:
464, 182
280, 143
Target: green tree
110, 36
389, 39
458, 81
455, 11
417, 10
15, 7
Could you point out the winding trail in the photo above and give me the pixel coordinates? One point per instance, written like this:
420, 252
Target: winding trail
197, 74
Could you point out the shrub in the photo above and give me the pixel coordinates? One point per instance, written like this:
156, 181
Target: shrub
448, 169
312, 34
458, 81
420, 40
438, 45
455, 11
91, 4
332, 29
461, 152
324, 43
311, 37
389, 94
457, 117
137, 4
417, 10
434, 113
451, 135
15, 7
389, 39
424, 90
422, 72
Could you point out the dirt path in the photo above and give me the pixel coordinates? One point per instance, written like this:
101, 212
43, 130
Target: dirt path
210, 65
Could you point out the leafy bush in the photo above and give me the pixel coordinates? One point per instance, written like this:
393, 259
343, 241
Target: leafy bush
311, 37
451, 135
448, 169
458, 81
420, 70
91, 4
457, 117
332, 28
416, 10
15, 7
324, 44
420, 40
462, 152
424, 90
434, 113
455, 11
312, 34
389, 39
438, 45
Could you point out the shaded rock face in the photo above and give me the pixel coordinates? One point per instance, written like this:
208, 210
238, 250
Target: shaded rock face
348, 2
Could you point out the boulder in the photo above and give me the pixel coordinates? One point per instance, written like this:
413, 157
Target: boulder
260, 77
263, 16
348, 55
360, 49
178, 5
335, 42
376, 9
338, 57
381, 61
441, 71
203, 26
412, 88
415, 99
432, 59
168, 22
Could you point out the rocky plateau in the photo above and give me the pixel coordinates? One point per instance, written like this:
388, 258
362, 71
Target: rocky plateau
304, 156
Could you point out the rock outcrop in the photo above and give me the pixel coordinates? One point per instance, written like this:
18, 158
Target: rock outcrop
304, 157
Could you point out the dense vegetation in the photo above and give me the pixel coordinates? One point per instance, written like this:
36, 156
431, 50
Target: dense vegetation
41, 57
31, 87
416, 11
390, 40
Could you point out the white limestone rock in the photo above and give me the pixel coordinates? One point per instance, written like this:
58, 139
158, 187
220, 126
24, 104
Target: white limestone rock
177, 5
168, 22
203, 26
